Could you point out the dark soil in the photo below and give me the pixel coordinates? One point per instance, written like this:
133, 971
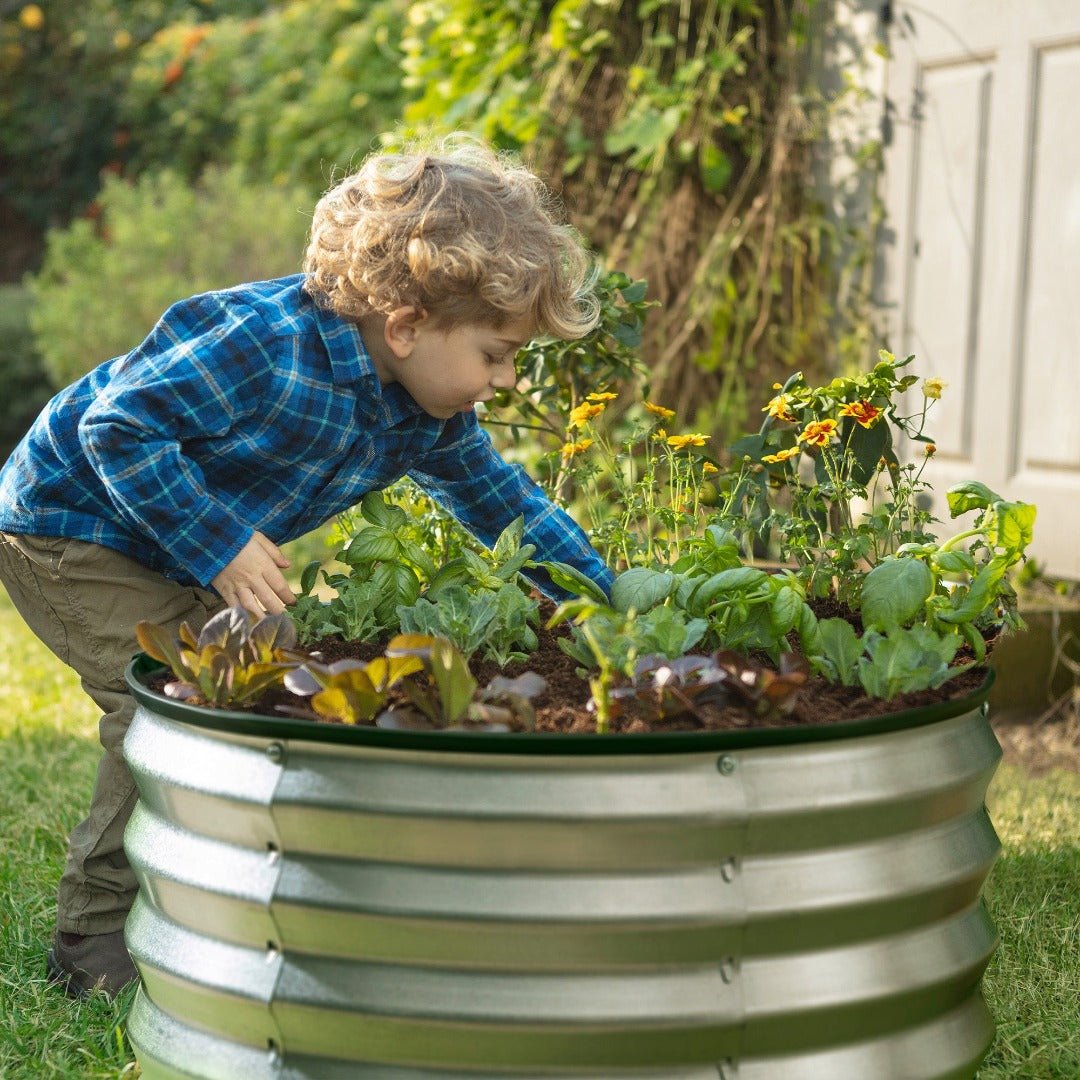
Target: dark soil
564, 705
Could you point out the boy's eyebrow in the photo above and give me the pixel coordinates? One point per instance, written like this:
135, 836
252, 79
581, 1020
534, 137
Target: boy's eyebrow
511, 342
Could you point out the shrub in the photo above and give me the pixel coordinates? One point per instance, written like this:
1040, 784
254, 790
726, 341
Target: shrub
25, 387
103, 286
305, 88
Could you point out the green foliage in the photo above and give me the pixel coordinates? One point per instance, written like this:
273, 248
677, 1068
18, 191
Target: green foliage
290, 96
233, 660
560, 375
25, 387
907, 659
63, 68
102, 287
498, 623
683, 135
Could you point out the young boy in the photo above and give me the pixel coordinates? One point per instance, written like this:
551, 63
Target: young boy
159, 485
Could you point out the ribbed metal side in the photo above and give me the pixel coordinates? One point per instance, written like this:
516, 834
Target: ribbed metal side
802, 912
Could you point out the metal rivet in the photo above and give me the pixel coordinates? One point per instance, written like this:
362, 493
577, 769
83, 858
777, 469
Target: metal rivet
276, 753
726, 764
727, 869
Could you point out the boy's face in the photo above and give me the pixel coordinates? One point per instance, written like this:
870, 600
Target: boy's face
449, 371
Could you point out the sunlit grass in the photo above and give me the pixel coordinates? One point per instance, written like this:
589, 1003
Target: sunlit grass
48, 755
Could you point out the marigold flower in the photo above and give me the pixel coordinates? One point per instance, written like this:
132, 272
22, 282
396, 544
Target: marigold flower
781, 455
862, 411
659, 410
818, 432
932, 388
584, 413
680, 442
708, 467
779, 407
31, 17
570, 449
930, 450
601, 397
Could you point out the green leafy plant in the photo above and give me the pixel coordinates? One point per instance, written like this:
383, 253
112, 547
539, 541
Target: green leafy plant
232, 661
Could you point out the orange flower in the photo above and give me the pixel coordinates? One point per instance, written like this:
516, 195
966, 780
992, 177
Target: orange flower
571, 449
193, 39
680, 442
930, 450
779, 407
583, 414
659, 410
863, 412
708, 467
173, 70
601, 397
818, 432
781, 455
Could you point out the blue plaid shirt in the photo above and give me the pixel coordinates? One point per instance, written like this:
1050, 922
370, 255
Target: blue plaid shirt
252, 408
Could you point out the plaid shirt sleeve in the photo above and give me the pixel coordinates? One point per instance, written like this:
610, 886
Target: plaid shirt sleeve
465, 475
195, 376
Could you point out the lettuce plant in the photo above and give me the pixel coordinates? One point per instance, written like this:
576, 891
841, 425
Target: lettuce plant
231, 662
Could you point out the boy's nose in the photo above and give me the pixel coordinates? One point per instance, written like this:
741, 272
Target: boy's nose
504, 377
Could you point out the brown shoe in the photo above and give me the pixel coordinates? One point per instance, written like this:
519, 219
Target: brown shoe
85, 963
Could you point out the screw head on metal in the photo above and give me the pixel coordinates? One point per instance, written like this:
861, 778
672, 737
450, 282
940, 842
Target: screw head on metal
276, 753
726, 764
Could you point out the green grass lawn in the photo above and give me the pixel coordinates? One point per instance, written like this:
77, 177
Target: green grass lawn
47, 762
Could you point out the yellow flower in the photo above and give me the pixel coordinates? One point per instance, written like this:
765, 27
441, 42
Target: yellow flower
932, 388
659, 435
781, 455
708, 467
864, 413
818, 432
659, 410
31, 17
583, 414
570, 449
779, 407
930, 450
601, 397
680, 442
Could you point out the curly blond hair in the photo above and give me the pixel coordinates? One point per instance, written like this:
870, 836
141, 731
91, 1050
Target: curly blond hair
467, 235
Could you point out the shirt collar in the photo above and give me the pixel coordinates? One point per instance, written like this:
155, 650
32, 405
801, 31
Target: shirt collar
351, 364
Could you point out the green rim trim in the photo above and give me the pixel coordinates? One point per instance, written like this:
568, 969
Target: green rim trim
142, 667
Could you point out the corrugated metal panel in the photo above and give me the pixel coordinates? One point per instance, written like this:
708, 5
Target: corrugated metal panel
799, 911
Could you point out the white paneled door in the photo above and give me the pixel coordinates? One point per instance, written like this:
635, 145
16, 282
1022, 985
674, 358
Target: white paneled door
983, 260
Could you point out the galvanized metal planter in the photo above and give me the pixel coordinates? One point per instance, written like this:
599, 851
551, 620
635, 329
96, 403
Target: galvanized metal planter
337, 902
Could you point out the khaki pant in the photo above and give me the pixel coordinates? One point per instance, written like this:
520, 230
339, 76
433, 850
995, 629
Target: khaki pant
83, 601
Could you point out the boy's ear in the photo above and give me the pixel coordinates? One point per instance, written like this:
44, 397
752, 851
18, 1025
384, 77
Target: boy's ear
401, 329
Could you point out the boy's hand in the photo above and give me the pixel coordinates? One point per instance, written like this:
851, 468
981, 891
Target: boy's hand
254, 579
